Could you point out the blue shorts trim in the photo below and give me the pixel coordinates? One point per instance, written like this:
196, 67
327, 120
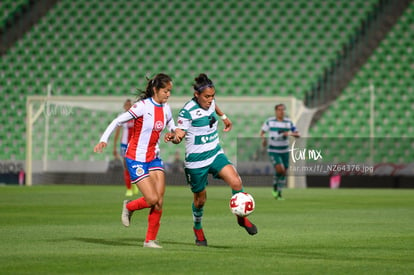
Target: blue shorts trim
140, 170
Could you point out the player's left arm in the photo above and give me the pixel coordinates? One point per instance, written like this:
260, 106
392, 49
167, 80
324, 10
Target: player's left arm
171, 135
174, 134
227, 122
175, 137
294, 131
177, 133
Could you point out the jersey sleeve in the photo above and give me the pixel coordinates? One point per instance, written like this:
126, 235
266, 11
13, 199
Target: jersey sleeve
137, 109
265, 126
184, 119
114, 124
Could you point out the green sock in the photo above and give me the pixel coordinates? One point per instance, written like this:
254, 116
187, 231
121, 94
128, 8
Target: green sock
281, 184
235, 192
275, 181
197, 216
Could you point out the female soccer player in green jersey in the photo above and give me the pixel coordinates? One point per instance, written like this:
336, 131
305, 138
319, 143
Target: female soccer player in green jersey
198, 120
279, 128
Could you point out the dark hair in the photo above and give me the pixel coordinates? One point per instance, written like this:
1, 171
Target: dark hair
202, 82
279, 105
159, 81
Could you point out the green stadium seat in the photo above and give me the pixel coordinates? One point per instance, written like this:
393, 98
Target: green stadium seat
247, 50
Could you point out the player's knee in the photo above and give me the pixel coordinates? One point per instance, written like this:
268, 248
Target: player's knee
158, 205
236, 183
280, 169
152, 200
199, 202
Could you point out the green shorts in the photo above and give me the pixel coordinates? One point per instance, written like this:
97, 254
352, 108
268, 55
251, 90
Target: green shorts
279, 158
197, 178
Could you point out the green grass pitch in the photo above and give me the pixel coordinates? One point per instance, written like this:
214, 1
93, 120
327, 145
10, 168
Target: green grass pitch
64, 229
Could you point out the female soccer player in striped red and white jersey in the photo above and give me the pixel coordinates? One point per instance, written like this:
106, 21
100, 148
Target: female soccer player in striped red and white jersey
151, 114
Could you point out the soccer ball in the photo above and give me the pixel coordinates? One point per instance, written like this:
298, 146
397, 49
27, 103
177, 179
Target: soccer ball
242, 204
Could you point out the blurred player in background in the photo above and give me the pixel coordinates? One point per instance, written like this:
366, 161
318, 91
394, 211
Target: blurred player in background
126, 129
198, 121
177, 165
151, 114
279, 128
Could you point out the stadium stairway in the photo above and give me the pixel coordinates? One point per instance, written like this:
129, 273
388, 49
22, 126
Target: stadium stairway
388, 75
11, 10
354, 53
18, 17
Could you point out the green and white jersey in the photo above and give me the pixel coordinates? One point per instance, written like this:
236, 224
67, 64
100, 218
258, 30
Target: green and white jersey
277, 142
201, 139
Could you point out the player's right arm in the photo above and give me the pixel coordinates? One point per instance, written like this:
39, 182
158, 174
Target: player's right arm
263, 137
265, 128
111, 127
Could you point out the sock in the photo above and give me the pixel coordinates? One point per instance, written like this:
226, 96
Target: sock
154, 218
281, 184
197, 216
243, 221
275, 181
237, 191
127, 179
137, 204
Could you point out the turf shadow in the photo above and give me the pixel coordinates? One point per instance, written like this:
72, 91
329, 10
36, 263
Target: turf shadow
192, 244
114, 242
132, 242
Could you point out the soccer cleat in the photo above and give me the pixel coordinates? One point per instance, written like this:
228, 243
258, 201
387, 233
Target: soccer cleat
250, 227
152, 244
277, 195
126, 214
128, 193
200, 239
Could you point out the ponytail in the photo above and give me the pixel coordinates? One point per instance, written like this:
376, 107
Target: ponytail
158, 82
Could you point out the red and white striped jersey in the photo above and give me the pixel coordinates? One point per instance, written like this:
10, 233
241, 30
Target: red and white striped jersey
150, 119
